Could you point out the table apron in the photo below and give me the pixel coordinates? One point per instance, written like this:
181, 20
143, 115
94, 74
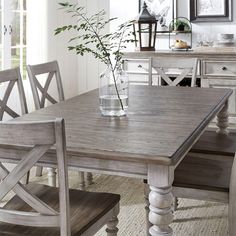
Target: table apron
102, 166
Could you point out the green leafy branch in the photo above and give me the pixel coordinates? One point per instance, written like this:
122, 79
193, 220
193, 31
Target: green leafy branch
90, 37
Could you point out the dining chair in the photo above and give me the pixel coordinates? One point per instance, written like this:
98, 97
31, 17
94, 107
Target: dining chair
43, 210
207, 172
208, 142
172, 71
210, 176
8, 79
48, 72
50, 69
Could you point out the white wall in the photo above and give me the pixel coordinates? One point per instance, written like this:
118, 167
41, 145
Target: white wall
89, 68
43, 18
81, 74
209, 29
130, 9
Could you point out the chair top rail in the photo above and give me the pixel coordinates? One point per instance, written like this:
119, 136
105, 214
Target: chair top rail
44, 67
174, 62
23, 133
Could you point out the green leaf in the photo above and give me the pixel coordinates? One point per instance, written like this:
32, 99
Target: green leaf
91, 36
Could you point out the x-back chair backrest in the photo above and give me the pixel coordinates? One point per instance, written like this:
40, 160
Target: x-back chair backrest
12, 77
52, 69
185, 65
40, 136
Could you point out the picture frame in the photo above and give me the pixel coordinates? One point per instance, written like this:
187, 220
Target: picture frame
210, 10
164, 10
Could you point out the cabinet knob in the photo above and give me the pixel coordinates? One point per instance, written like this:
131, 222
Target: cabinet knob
224, 68
139, 66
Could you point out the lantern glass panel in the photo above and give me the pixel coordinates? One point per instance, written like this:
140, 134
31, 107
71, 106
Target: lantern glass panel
144, 35
152, 35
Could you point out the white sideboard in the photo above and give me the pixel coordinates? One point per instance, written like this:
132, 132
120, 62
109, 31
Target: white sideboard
217, 68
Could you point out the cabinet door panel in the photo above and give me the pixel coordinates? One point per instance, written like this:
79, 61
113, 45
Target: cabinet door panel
224, 83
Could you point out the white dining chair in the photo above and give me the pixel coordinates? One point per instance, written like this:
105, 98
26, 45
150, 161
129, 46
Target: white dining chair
9, 79
43, 210
49, 72
172, 71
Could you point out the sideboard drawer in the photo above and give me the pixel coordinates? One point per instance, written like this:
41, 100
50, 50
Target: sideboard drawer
219, 68
137, 65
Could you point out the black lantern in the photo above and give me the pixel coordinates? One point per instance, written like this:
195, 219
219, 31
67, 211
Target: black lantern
145, 27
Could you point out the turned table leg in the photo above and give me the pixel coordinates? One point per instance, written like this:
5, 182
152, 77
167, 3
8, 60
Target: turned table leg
146, 198
160, 179
111, 226
176, 203
223, 120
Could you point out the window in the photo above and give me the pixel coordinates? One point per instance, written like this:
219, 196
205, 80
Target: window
13, 42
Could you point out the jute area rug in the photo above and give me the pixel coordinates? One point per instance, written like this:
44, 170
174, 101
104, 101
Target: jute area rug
193, 218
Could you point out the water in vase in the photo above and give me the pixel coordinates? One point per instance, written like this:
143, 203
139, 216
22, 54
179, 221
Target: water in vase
110, 105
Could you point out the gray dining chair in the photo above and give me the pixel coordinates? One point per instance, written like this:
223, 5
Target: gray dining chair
208, 170
50, 72
43, 210
209, 174
9, 79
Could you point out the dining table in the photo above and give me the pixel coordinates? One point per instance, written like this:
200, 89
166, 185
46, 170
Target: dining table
161, 126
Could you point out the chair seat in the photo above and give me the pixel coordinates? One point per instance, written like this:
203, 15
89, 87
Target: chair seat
204, 172
212, 143
208, 164
86, 208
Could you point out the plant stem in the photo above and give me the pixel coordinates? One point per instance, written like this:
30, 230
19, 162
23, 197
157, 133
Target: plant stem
118, 49
109, 59
114, 78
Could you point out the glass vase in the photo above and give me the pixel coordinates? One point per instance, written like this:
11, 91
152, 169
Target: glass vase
113, 92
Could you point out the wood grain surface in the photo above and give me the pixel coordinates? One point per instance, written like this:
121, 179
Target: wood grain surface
162, 123
86, 208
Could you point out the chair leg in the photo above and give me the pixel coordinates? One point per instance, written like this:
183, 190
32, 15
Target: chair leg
232, 200
146, 198
176, 203
25, 179
90, 178
81, 180
39, 171
52, 177
111, 229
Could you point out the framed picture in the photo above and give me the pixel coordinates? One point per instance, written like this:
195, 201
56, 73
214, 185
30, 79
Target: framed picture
210, 10
164, 11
